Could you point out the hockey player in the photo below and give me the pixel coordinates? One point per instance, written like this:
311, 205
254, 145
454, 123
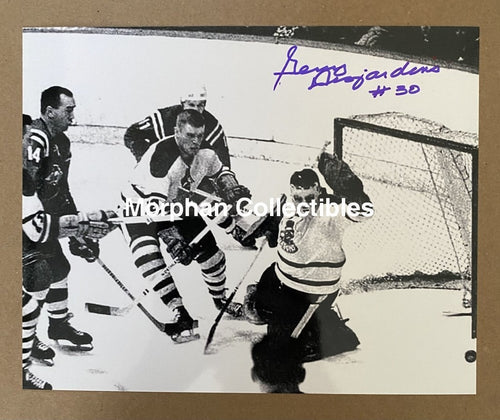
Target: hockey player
40, 231
307, 272
46, 159
160, 126
168, 172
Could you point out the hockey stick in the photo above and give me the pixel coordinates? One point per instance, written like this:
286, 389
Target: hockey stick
119, 311
230, 299
307, 316
160, 217
101, 309
144, 219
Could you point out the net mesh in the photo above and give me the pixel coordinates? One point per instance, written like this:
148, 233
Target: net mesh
422, 196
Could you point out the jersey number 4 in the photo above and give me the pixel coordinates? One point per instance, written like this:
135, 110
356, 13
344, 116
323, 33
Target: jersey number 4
34, 155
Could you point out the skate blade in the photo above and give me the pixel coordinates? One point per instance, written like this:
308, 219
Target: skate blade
72, 347
43, 362
179, 339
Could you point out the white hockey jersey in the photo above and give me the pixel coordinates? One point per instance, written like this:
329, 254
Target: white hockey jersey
310, 254
162, 174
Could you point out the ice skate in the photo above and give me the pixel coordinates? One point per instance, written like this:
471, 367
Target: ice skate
42, 353
30, 381
181, 330
233, 309
61, 331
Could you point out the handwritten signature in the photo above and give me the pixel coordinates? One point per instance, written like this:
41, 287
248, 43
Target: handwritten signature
327, 75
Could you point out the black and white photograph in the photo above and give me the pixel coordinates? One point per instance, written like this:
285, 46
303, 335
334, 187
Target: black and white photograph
250, 209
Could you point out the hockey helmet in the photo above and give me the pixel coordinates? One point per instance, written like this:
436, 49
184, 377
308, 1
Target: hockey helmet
198, 93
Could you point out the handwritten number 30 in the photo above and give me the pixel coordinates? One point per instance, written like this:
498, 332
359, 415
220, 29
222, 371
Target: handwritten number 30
401, 90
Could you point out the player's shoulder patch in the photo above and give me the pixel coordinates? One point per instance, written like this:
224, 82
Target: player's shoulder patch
165, 154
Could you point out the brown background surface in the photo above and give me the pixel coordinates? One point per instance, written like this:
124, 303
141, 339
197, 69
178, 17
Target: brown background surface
18, 404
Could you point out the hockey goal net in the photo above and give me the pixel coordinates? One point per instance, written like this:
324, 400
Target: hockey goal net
422, 180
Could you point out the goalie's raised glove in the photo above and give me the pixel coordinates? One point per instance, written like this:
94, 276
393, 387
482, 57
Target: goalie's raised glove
341, 179
177, 247
229, 189
92, 225
87, 249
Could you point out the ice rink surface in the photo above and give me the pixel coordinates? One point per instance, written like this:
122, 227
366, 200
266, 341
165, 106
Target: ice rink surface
407, 345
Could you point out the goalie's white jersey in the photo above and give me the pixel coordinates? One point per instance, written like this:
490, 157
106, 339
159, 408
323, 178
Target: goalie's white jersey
310, 254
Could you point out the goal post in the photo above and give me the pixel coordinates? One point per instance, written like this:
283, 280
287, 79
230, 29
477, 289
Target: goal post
423, 181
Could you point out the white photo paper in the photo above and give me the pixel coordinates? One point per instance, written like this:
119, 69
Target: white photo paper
250, 209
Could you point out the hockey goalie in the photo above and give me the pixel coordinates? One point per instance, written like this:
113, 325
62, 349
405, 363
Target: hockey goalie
295, 295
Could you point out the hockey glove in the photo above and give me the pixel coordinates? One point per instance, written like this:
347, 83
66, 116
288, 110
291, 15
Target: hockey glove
269, 227
229, 189
237, 232
339, 176
92, 225
177, 247
88, 249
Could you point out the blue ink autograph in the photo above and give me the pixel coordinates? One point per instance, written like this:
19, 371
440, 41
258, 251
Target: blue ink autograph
327, 75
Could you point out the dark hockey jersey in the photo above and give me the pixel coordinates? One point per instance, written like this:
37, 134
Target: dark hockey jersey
160, 126
46, 159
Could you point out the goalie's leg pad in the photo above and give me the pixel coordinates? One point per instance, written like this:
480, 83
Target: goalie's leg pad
327, 335
270, 306
249, 309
